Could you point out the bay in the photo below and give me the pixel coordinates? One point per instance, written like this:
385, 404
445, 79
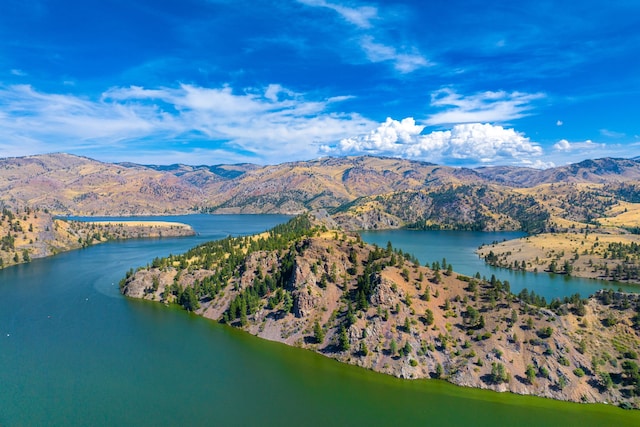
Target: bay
73, 351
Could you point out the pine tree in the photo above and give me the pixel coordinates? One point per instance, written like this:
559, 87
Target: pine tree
428, 317
406, 349
439, 371
393, 347
318, 332
530, 373
363, 348
343, 339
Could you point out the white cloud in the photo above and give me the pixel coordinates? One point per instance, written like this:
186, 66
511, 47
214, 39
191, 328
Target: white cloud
585, 146
404, 59
562, 145
537, 164
358, 16
559, 123
19, 73
390, 138
270, 125
471, 143
611, 134
403, 62
565, 152
482, 107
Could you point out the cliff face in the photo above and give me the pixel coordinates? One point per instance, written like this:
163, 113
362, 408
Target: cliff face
327, 291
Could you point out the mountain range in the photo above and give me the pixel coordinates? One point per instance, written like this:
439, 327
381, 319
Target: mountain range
362, 192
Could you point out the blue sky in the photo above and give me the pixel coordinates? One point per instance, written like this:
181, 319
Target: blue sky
463, 83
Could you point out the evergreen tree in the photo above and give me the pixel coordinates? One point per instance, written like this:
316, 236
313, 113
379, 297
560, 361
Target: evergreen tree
406, 349
439, 371
428, 316
531, 373
393, 347
188, 299
288, 302
318, 332
343, 339
363, 348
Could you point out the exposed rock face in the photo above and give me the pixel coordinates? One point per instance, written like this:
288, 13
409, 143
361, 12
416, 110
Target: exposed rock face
383, 293
302, 281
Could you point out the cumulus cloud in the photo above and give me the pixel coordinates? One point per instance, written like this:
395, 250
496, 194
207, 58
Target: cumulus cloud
469, 143
487, 106
272, 124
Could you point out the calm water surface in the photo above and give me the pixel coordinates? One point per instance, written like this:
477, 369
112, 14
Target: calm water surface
73, 351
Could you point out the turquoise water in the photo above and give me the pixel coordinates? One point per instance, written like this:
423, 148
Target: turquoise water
73, 351
458, 247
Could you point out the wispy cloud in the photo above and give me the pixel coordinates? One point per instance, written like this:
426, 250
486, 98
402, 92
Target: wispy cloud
404, 62
472, 143
565, 151
376, 41
612, 134
487, 106
358, 16
267, 125
584, 146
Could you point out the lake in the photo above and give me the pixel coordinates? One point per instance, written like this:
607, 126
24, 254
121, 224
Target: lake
73, 351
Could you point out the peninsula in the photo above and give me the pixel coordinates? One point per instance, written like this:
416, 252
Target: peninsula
32, 233
310, 284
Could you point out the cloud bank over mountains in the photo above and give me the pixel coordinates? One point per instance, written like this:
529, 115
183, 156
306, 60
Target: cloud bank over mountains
268, 125
468, 143
215, 81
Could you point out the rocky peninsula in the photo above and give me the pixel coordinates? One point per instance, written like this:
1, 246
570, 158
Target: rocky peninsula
308, 284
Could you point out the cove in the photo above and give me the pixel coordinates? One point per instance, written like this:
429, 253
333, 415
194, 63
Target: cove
458, 247
73, 351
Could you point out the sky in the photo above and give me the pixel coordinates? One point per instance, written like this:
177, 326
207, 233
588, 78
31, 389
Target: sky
457, 82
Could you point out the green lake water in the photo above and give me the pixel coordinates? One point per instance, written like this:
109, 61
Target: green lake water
73, 351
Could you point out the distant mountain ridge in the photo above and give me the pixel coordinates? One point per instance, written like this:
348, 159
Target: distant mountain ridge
598, 171
403, 190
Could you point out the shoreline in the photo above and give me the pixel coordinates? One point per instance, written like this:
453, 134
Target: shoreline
34, 234
599, 255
